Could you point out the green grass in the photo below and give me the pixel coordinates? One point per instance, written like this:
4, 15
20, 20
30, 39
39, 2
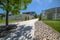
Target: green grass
53, 24
2, 21
10, 21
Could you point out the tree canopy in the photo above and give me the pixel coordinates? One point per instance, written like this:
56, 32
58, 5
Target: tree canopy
14, 6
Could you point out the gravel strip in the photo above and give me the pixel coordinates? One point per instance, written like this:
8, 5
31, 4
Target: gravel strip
45, 32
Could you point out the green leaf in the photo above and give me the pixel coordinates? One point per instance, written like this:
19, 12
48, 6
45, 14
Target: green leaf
14, 6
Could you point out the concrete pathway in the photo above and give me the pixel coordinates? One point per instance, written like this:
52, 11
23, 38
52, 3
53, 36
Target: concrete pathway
24, 31
44, 32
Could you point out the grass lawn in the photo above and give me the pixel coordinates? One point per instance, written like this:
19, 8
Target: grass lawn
10, 21
53, 24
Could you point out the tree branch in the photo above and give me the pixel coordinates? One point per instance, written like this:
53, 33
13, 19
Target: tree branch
2, 4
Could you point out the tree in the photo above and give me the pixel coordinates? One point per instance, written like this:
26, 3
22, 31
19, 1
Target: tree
13, 6
40, 16
35, 15
26, 18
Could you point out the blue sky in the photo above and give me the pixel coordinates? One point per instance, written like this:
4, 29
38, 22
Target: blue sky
39, 5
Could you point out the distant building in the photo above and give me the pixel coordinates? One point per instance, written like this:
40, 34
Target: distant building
21, 16
28, 14
1, 16
51, 14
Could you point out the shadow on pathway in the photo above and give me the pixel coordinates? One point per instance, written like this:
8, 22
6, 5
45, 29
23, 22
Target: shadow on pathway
20, 33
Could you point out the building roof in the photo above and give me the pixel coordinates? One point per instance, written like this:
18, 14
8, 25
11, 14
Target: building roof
28, 12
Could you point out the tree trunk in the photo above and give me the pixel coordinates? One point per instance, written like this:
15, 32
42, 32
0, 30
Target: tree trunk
7, 18
7, 12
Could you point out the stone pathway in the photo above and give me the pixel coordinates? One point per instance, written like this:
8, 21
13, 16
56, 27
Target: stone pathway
44, 32
20, 33
24, 31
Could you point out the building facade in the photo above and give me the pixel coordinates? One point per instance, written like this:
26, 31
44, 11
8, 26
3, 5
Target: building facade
21, 16
51, 14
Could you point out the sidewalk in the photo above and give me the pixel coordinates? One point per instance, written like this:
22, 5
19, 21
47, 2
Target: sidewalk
24, 31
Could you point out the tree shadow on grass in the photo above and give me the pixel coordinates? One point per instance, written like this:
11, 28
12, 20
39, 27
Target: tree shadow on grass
20, 33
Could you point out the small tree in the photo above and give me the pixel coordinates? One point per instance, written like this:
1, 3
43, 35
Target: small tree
35, 15
13, 6
40, 16
25, 18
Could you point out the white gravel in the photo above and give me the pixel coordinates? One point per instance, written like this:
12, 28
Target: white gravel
25, 32
29, 23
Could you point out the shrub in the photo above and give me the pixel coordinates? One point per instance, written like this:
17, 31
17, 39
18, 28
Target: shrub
26, 18
40, 16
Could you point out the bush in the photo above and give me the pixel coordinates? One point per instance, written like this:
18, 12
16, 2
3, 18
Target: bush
39, 17
35, 15
26, 18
